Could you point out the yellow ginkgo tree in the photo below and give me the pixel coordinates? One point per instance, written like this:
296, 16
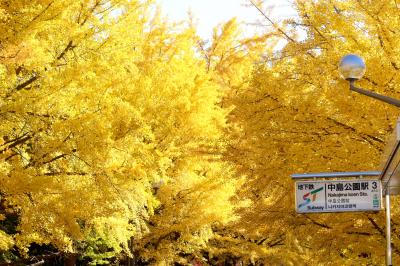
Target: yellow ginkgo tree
297, 115
111, 133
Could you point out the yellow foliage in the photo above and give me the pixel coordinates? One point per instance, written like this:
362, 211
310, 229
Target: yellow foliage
6, 241
119, 127
296, 115
100, 102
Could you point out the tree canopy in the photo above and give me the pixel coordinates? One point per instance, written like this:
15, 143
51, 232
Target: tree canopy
126, 135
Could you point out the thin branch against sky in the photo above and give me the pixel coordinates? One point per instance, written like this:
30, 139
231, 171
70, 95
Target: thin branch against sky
210, 13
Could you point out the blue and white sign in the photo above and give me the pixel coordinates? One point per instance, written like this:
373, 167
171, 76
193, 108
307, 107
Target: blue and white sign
338, 196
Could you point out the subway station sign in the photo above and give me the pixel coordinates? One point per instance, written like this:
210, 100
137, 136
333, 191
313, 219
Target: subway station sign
338, 196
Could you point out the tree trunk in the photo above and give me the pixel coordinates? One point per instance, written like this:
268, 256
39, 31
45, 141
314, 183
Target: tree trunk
131, 261
70, 259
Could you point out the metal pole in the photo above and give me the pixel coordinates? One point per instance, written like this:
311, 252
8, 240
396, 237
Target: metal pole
371, 94
388, 238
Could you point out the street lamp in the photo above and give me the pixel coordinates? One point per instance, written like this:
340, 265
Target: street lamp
352, 68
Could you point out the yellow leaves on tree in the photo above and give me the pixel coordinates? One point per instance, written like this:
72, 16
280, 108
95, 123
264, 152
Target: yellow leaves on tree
118, 128
297, 115
108, 118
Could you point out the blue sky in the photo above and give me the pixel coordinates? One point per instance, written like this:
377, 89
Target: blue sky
211, 12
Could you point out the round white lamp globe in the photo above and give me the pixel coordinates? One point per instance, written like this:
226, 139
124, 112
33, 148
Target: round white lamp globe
352, 67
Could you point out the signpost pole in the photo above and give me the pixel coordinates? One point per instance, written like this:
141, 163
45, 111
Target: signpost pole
388, 229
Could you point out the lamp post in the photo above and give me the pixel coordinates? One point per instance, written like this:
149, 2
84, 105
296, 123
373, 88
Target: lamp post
352, 68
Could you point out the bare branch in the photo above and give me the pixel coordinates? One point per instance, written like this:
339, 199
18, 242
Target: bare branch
272, 22
26, 83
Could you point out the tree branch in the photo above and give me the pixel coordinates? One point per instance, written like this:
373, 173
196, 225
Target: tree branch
67, 48
26, 83
317, 223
